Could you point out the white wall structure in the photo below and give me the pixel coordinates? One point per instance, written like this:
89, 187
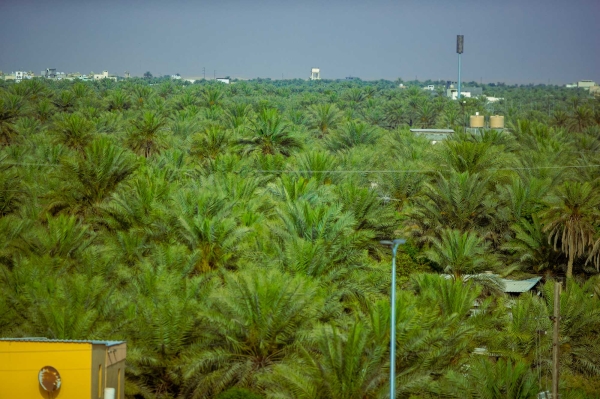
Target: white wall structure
223, 80
315, 74
453, 94
586, 84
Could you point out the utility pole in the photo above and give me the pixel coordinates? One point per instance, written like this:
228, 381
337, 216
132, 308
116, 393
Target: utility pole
555, 341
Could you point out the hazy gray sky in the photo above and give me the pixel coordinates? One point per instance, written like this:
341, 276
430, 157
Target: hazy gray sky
513, 41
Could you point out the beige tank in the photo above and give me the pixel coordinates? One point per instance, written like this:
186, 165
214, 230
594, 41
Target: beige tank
476, 121
497, 122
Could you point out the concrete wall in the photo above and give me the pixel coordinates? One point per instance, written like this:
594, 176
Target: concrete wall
98, 371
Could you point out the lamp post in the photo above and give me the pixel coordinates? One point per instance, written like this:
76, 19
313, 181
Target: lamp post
394, 244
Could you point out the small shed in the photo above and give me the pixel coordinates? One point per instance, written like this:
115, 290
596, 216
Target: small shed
520, 286
63, 369
433, 134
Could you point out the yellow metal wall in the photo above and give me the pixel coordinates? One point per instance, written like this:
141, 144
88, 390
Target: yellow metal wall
20, 363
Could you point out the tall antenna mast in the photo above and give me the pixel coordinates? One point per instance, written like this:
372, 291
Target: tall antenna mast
460, 39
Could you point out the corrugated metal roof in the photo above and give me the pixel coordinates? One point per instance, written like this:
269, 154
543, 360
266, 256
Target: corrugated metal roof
512, 286
432, 130
68, 341
520, 286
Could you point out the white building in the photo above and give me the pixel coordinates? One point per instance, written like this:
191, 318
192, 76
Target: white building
586, 84
429, 87
453, 94
315, 74
224, 80
103, 75
20, 75
176, 77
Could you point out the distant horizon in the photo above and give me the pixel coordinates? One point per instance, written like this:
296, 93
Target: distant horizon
515, 42
243, 78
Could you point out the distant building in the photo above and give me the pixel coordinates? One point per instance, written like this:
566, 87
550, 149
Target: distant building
103, 75
224, 80
468, 92
582, 84
315, 74
18, 76
50, 73
429, 87
494, 99
176, 77
127, 75
586, 84
433, 135
351, 78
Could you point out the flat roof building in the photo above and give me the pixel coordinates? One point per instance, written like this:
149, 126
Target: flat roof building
66, 369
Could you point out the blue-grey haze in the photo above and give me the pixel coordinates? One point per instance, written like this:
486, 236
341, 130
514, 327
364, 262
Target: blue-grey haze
513, 41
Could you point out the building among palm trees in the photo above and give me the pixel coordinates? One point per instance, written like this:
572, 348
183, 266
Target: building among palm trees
64, 369
103, 75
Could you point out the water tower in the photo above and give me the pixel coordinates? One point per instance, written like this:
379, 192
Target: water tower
460, 39
315, 74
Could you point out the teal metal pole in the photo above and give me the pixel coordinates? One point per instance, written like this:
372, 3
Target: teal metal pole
393, 327
459, 56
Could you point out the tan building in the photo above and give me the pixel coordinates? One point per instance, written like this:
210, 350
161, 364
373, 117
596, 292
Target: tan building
103, 75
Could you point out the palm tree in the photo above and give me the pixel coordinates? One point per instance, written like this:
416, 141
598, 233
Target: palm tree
489, 380
213, 141
582, 116
74, 130
253, 323
91, 178
65, 101
146, 135
324, 118
461, 253
570, 220
167, 305
271, 135
11, 107
530, 247
461, 202
351, 134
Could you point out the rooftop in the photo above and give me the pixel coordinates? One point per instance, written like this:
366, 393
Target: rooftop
520, 286
69, 341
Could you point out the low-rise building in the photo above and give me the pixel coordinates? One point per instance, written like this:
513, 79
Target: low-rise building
224, 80
103, 75
63, 369
468, 92
586, 84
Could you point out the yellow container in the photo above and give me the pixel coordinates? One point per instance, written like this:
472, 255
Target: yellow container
85, 368
497, 122
476, 121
